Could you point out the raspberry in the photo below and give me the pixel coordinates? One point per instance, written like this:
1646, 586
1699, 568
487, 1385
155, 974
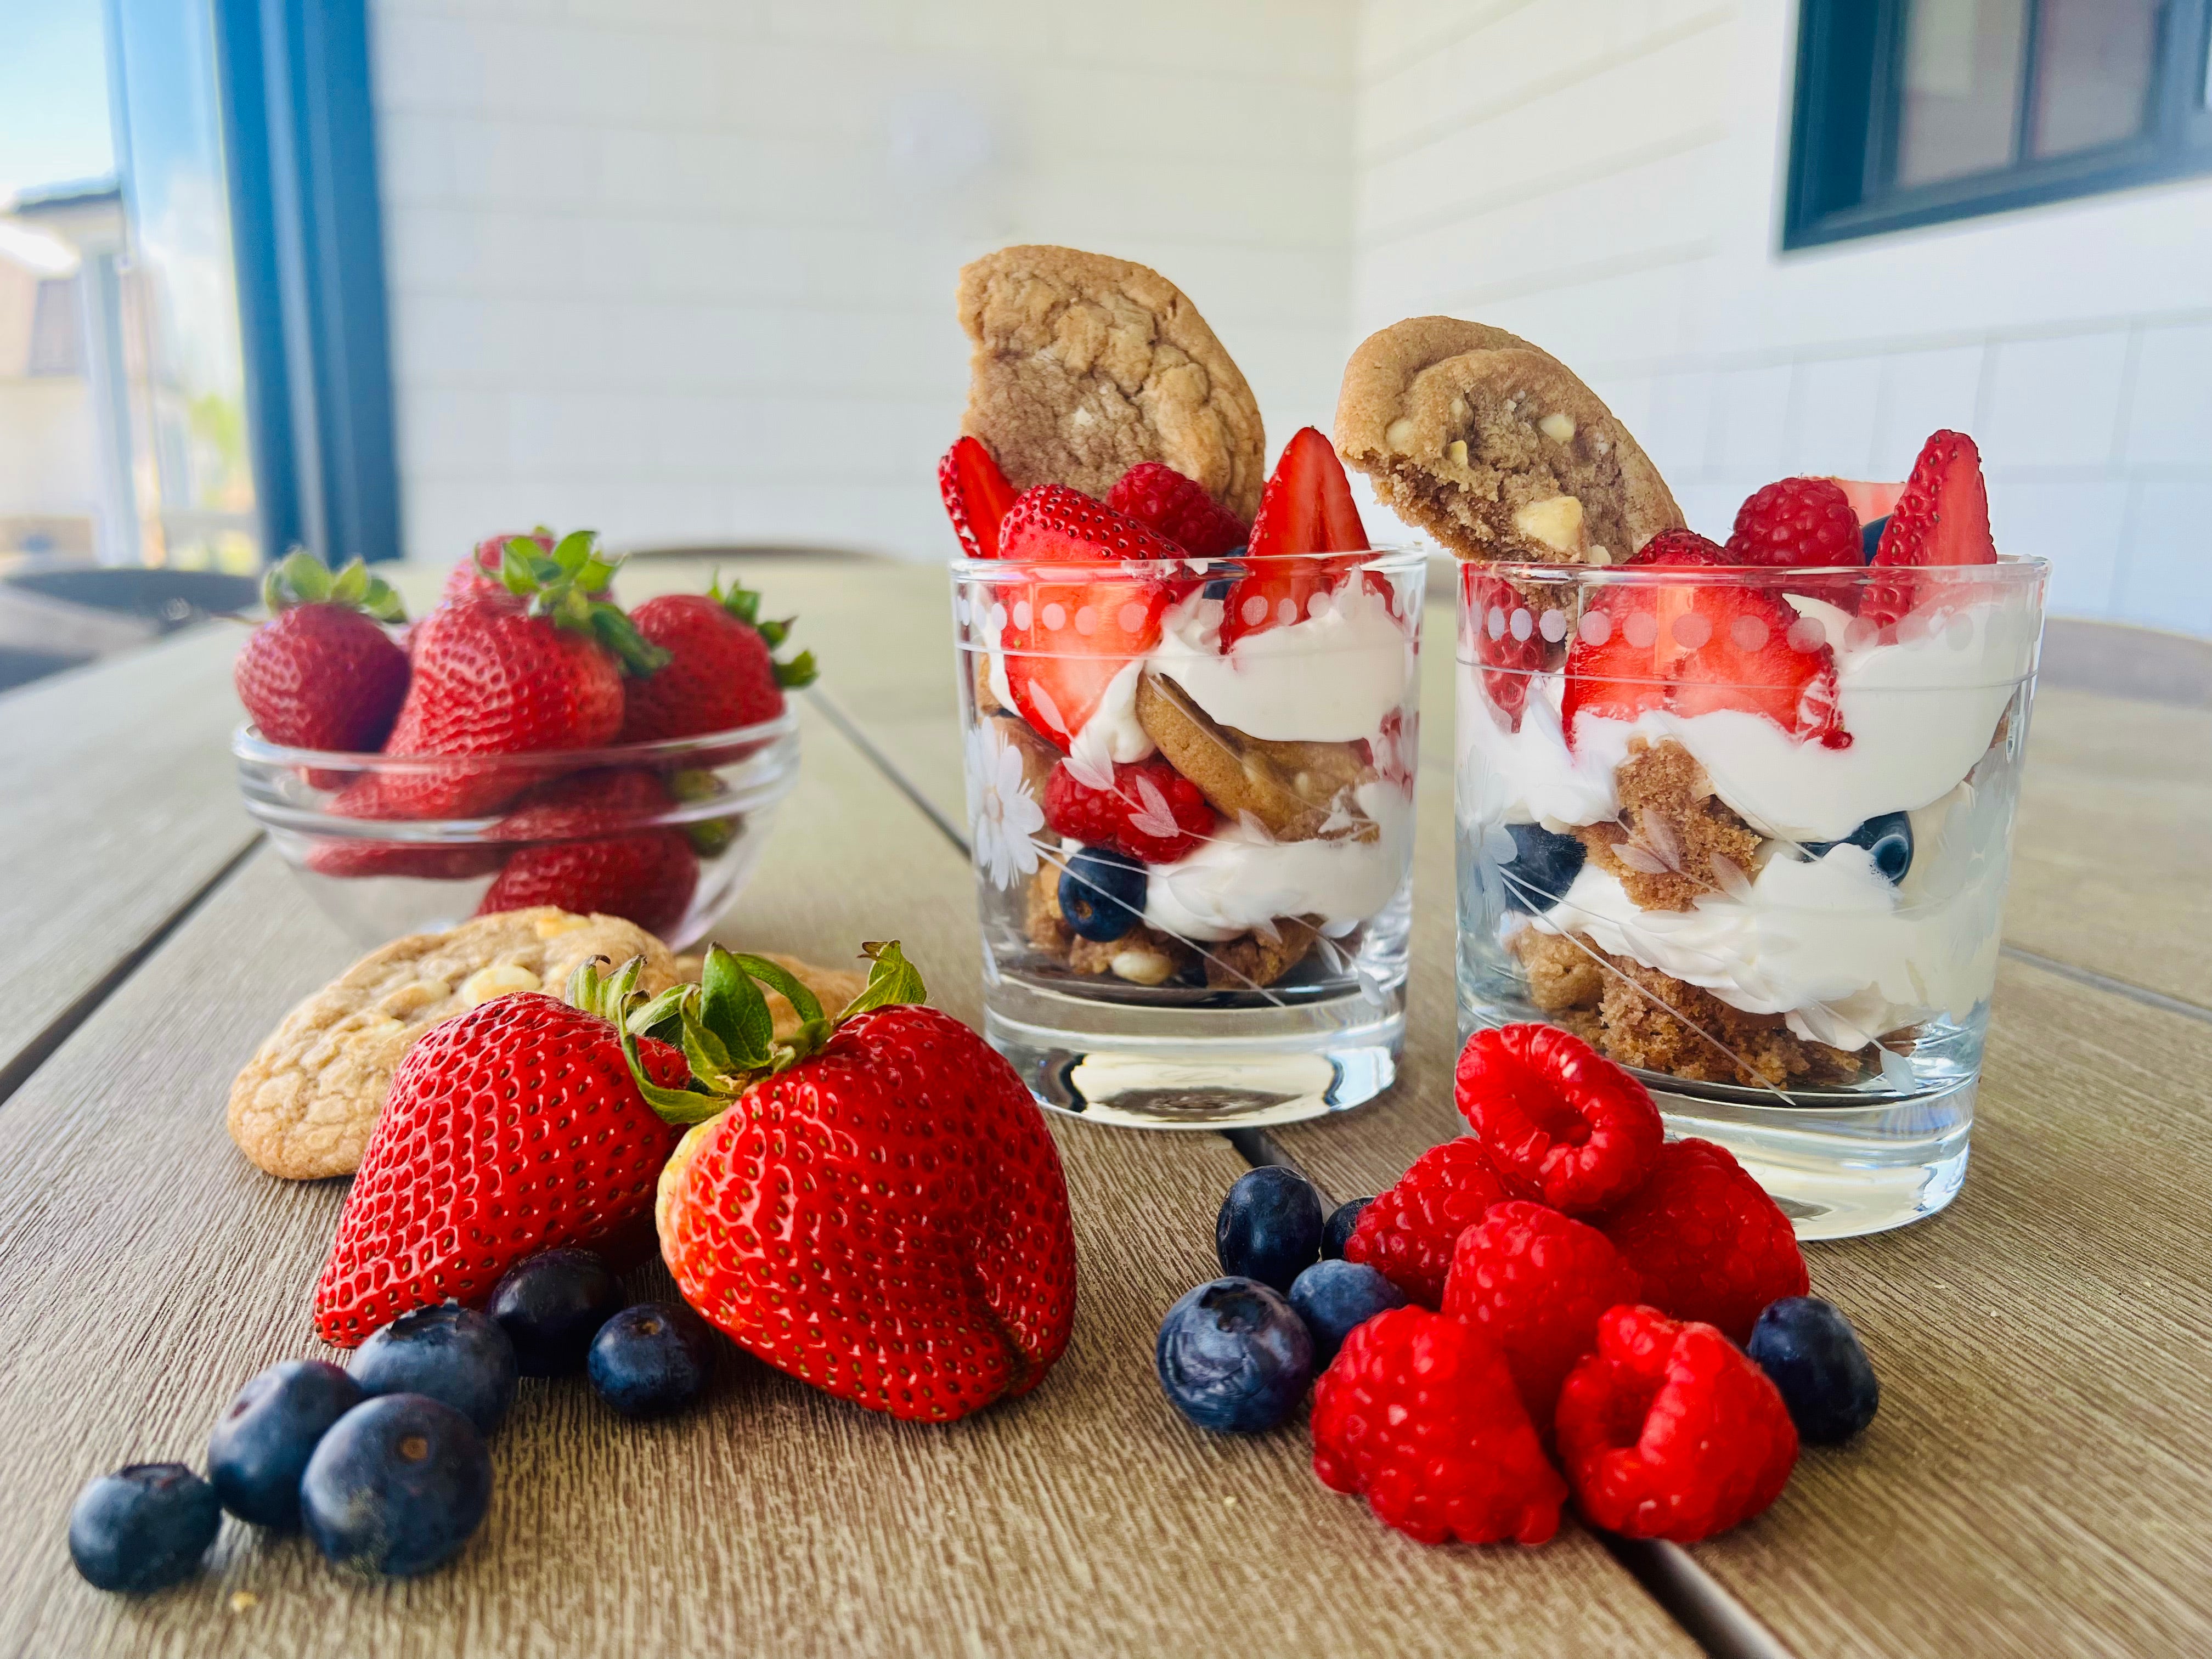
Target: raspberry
1535, 1282
1419, 1415
1796, 521
1710, 1243
1681, 547
1178, 507
1152, 812
1668, 1432
1406, 1234
1554, 1113
1501, 629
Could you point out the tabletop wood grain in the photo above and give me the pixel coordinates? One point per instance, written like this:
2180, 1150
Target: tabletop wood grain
146, 1270
119, 809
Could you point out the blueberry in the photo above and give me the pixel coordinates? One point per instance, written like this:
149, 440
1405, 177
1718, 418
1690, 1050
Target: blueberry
551, 1305
1870, 537
1809, 1349
452, 1353
143, 1526
1233, 1357
1543, 866
1269, 1227
1887, 838
1102, 894
652, 1359
1218, 589
398, 1485
1342, 1220
1333, 1297
263, 1439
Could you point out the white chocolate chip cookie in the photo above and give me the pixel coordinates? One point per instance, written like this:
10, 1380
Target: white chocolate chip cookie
304, 1106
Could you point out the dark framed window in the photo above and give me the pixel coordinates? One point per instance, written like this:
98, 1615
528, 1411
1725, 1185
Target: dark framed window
1913, 112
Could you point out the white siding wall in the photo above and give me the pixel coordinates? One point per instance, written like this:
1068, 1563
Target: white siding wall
683, 270
1604, 176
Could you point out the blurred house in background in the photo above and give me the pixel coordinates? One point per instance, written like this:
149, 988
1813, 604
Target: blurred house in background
683, 269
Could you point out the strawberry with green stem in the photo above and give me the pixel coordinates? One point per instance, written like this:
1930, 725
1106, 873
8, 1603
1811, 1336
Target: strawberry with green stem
873, 1204
538, 666
720, 671
321, 672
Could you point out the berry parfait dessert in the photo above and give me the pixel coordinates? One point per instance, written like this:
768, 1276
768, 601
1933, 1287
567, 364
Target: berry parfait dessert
1189, 698
1740, 816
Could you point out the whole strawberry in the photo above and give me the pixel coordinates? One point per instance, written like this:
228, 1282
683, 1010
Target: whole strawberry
879, 1211
512, 1129
537, 666
721, 671
593, 851
321, 672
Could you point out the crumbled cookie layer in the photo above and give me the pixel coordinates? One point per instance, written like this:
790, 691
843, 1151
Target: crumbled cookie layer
1675, 841
1086, 365
1255, 959
1295, 791
1496, 447
1144, 956
1641, 1017
304, 1104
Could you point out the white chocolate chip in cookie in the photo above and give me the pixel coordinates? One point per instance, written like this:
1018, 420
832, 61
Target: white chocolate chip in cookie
413, 997
1457, 451
1559, 427
1401, 435
1556, 521
553, 926
501, 979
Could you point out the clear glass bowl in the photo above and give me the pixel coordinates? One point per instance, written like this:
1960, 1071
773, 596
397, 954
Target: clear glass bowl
1748, 831
1260, 977
663, 833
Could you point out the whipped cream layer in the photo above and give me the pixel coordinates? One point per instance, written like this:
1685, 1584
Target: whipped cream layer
1827, 943
1334, 677
1920, 713
1241, 878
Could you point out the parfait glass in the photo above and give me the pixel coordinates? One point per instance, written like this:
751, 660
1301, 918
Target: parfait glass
1190, 789
1747, 831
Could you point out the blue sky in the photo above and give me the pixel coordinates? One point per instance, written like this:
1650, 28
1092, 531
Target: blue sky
53, 95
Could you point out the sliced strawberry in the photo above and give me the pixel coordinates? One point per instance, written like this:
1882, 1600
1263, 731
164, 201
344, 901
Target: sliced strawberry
1307, 508
1942, 517
976, 497
1743, 648
1064, 641
1869, 501
1179, 508
1504, 639
1614, 668
1152, 812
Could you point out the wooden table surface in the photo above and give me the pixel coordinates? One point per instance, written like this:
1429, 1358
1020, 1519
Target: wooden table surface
2039, 1480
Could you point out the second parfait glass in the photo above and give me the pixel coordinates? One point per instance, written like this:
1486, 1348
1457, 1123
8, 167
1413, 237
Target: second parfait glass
1190, 790
1747, 830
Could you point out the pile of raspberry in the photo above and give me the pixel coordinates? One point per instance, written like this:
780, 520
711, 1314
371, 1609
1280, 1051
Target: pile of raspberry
1579, 1290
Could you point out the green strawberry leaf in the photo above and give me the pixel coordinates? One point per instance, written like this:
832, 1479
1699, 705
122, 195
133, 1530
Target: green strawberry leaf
891, 981
300, 578
673, 1105
638, 655
803, 1001
733, 1007
710, 1059
798, 671
660, 1016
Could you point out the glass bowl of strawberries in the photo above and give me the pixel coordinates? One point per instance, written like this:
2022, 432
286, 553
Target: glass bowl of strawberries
526, 743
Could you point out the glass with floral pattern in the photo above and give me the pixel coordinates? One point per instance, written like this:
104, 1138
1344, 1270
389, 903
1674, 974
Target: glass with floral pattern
1190, 802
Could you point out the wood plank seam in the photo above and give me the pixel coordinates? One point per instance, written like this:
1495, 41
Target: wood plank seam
2118, 988
891, 769
57, 1030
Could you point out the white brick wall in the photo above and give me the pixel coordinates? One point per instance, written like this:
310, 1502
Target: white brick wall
675, 269
1604, 176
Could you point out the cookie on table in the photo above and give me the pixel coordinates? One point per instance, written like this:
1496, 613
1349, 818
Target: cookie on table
1086, 365
1495, 447
304, 1106
1295, 791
